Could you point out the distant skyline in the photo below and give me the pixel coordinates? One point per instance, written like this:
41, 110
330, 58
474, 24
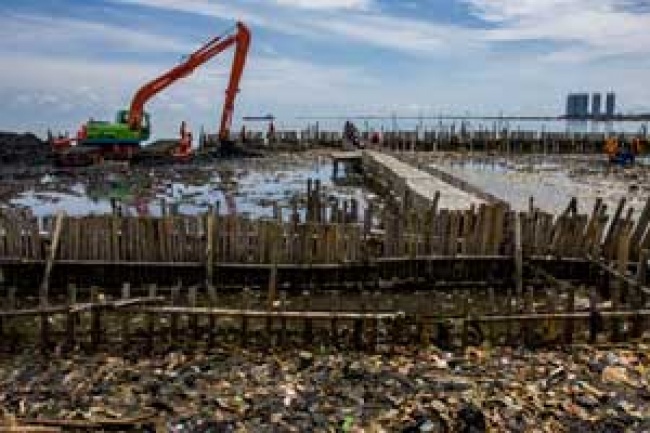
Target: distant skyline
67, 60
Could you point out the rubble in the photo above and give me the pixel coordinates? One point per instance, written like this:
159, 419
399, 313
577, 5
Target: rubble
235, 389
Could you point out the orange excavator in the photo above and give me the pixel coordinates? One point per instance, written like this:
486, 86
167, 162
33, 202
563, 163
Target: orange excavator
121, 139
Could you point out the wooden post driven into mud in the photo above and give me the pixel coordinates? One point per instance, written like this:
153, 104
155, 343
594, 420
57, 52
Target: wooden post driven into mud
54, 246
519, 260
210, 253
511, 256
273, 272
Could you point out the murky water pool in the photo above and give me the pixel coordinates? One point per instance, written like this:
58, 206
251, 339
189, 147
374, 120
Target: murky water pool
249, 187
552, 185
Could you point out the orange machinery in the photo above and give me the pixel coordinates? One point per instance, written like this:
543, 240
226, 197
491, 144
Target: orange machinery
132, 126
241, 39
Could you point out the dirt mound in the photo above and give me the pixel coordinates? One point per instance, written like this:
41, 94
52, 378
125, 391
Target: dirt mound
23, 149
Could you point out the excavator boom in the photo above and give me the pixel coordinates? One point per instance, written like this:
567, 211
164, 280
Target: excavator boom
241, 40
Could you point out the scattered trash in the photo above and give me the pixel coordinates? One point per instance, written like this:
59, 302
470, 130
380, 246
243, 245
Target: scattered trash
234, 389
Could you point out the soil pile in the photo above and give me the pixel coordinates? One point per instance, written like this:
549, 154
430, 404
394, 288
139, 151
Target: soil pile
23, 149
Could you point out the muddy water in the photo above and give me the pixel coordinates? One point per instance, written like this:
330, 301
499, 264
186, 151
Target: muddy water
553, 184
249, 187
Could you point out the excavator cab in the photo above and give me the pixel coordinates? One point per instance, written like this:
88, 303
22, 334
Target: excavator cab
122, 117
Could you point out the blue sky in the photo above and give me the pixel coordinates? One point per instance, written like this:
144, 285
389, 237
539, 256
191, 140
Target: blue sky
67, 60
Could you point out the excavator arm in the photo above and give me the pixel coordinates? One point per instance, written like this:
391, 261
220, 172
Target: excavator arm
241, 40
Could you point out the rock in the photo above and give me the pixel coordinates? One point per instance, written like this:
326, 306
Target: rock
470, 419
617, 375
558, 375
306, 360
354, 370
587, 401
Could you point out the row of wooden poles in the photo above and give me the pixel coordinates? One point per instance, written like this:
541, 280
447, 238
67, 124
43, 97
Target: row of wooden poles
512, 144
156, 318
337, 232
326, 232
454, 138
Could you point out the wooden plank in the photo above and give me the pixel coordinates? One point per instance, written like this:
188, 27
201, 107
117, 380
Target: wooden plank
559, 231
608, 243
487, 229
209, 253
128, 239
519, 261
3, 237
475, 245
640, 230
468, 217
622, 257
443, 232
10, 227
497, 231
125, 317
45, 284
452, 240
639, 299
301, 314
35, 233
273, 274
170, 238
592, 224
151, 320
141, 230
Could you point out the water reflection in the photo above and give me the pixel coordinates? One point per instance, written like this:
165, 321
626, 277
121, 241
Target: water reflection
249, 188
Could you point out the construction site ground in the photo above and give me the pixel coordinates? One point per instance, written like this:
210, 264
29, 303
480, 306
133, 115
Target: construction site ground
260, 388
231, 389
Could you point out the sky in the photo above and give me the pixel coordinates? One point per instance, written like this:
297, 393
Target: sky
64, 61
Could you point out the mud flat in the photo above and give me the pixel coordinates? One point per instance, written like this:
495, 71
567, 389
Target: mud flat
246, 186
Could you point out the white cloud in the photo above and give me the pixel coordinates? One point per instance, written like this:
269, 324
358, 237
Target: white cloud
590, 29
593, 29
223, 10
60, 92
370, 28
326, 4
400, 34
25, 33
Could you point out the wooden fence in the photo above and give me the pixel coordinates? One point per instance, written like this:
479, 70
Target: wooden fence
326, 233
380, 246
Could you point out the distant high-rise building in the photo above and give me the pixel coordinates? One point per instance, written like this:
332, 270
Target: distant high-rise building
577, 105
596, 100
582, 105
610, 104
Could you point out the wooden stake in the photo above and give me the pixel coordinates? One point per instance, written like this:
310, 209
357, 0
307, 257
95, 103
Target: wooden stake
125, 319
519, 262
45, 284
